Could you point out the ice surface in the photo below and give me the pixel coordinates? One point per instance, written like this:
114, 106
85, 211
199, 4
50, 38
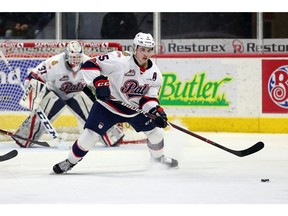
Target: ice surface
123, 175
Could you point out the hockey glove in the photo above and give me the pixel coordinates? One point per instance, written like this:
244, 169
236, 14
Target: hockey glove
101, 84
161, 117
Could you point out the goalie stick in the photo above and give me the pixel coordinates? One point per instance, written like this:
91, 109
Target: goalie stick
45, 144
240, 153
8, 155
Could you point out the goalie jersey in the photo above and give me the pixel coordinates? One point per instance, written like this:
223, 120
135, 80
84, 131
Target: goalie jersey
59, 77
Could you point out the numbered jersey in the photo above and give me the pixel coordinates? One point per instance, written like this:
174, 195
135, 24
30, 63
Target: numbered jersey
129, 82
59, 77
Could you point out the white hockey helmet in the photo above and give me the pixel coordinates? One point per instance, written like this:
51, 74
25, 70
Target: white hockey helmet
143, 39
74, 55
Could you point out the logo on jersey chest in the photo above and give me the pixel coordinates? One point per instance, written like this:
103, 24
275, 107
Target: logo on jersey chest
69, 87
131, 72
64, 78
131, 88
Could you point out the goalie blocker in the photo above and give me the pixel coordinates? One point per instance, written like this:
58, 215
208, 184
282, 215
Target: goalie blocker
37, 95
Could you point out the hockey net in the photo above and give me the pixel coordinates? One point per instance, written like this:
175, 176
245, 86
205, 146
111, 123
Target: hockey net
22, 58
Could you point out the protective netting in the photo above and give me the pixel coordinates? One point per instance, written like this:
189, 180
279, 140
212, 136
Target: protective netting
10, 90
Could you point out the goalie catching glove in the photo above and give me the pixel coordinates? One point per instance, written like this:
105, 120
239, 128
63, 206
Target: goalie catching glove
161, 117
101, 84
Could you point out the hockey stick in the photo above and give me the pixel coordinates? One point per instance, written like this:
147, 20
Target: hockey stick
40, 113
8, 155
240, 153
45, 144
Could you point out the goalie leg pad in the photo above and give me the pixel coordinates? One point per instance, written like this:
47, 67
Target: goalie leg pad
113, 136
32, 128
80, 105
52, 105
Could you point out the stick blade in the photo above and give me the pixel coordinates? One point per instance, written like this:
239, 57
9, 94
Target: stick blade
9, 155
45, 144
253, 149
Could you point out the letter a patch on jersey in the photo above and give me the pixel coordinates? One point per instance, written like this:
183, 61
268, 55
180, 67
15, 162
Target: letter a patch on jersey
154, 76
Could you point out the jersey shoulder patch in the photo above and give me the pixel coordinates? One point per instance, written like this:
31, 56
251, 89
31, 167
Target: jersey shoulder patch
54, 63
120, 54
126, 53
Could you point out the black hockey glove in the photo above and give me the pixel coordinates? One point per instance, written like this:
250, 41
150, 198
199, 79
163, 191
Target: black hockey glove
101, 84
161, 117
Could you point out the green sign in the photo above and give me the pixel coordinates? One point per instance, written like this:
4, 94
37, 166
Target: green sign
196, 92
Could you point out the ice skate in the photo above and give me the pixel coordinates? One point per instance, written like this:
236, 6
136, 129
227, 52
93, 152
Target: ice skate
167, 161
63, 167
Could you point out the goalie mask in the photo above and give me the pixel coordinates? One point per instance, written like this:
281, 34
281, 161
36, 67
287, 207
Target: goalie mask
74, 55
143, 39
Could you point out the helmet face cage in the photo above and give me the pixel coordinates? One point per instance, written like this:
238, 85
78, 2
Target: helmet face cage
143, 39
73, 55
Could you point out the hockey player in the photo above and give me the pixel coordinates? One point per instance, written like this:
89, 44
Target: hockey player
65, 85
135, 80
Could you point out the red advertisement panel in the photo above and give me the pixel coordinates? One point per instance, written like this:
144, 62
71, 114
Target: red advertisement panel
275, 86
